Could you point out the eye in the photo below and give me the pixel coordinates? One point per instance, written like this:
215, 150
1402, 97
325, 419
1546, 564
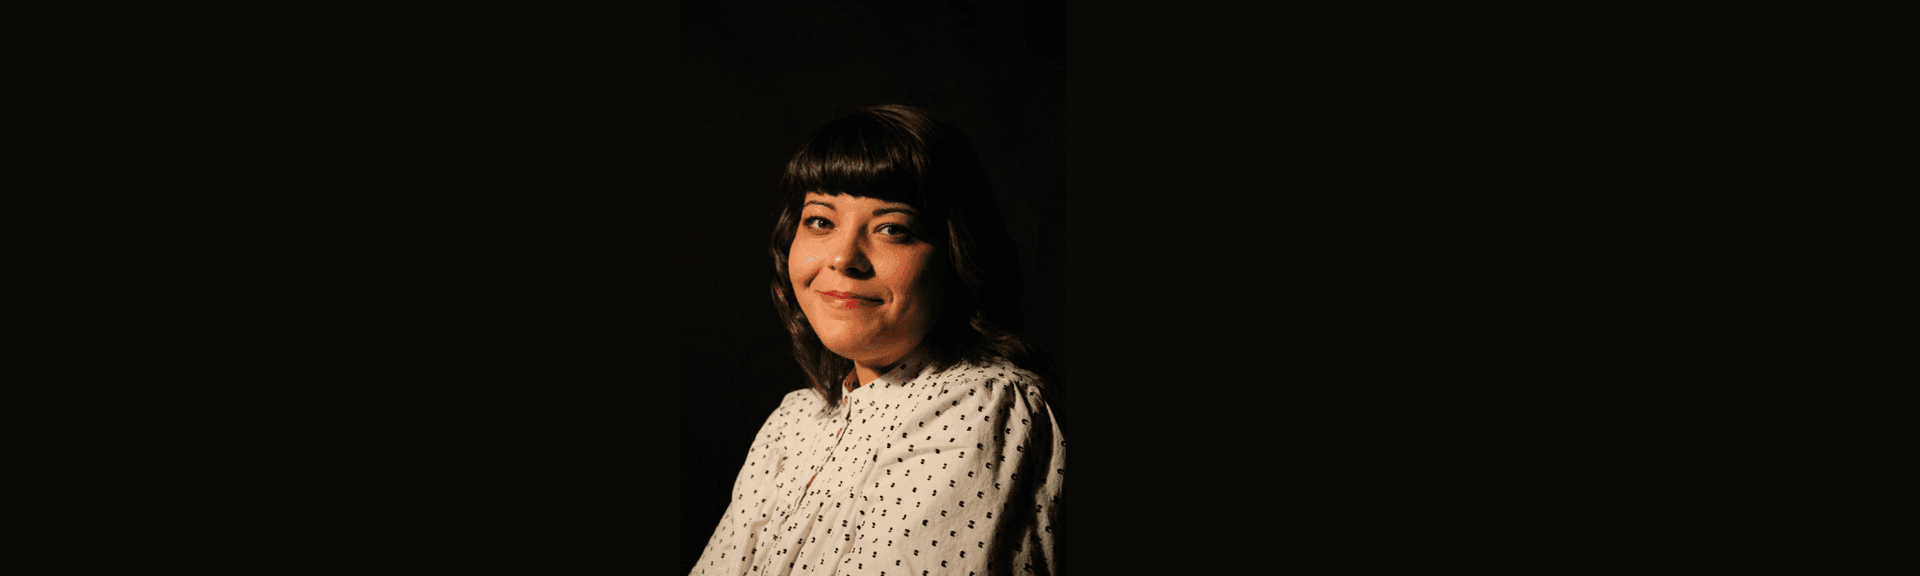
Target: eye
894, 230
815, 223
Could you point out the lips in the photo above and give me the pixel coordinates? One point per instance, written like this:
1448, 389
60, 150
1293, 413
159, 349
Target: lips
848, 300
850, 295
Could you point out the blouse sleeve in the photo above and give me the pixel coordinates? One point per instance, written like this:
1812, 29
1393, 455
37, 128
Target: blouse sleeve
968, 484
751, 487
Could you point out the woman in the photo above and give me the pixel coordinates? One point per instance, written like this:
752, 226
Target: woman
920, 447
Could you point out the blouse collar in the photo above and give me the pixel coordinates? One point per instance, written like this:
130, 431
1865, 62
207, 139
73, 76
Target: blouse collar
901, 375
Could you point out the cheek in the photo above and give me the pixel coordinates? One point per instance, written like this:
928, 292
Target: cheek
922, 284
800, 264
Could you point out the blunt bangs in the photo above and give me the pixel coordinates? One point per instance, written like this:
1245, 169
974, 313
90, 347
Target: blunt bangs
877, 154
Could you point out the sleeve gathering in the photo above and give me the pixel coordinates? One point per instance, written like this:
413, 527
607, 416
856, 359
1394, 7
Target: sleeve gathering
967, 484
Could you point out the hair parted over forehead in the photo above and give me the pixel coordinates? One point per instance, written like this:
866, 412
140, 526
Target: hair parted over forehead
909, 155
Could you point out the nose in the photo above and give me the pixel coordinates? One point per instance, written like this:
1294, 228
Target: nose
849, 257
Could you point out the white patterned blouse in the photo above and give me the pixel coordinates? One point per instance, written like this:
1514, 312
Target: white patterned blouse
917, 473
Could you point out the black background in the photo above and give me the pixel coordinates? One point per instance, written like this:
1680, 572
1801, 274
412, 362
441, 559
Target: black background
345, 287
757, 77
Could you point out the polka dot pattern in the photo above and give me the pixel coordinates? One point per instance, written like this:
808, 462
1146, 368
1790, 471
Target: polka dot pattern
916, 473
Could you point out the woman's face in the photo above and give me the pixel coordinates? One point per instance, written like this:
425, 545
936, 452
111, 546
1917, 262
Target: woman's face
865, 278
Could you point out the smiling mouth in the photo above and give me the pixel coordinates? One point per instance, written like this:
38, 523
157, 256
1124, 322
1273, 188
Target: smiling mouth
849, 296
848, 300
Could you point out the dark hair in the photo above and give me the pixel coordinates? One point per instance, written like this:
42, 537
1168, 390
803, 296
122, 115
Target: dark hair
906, 154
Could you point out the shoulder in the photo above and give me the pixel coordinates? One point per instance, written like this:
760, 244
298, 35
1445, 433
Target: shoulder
801, 398
796, 406
996, 384
997, 372
994, 368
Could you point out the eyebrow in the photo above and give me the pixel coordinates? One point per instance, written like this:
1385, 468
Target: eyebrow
901, 208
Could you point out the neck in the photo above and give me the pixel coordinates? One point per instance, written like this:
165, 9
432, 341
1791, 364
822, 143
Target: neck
864, 372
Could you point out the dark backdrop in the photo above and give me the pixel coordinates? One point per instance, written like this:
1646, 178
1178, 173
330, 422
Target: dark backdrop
759, 75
